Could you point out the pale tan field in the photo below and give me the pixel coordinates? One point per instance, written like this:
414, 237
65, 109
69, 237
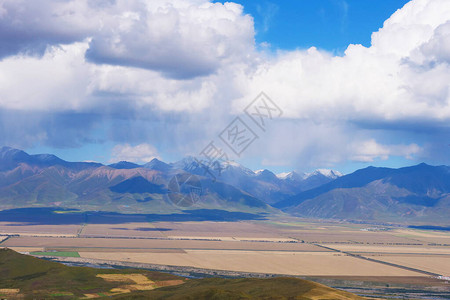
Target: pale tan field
222, 229
420, 233
112, 250
354, 237
189, 230
123, 230
432, 263
288, 263
251, 246
26, 249
38, 230
266, 239
424, 236
216, 238
311, 232
238, 238
421, 249
24, 234
257, 230
54, 242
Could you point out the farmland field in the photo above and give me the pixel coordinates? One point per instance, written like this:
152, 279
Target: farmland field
116, 243
273, 262
305, 248
439, 264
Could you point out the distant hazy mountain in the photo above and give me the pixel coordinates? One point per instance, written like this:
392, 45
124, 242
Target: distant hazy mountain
420, 193
291, 176
262, 184
268, 176
156, 164
297, 182
45, 180
11, 158
124, 165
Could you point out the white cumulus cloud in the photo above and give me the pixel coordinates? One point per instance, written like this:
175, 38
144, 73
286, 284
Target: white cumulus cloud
141, 153
181, 39
404, 75
181, 59
368, 151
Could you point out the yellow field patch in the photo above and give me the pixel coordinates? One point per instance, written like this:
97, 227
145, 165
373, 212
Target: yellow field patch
137, 278
90, 296
9, 291
120, 290
169, 282
142, 283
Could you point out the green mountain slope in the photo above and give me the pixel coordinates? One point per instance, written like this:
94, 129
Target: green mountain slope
248, 288
40, 279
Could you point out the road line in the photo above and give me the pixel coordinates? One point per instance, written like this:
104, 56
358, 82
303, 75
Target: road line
380, 261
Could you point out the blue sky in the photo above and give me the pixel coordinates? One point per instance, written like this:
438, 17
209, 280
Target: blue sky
132, 80
327, 24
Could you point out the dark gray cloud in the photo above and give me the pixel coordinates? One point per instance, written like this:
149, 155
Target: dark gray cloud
28, 28
180, 40
172, 63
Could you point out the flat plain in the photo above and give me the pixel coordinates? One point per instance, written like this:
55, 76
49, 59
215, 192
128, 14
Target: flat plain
272, 262
297, 247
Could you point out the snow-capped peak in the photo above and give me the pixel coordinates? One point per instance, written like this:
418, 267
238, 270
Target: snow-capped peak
232, 163
283, 175
290, 175
325, 172
190, 162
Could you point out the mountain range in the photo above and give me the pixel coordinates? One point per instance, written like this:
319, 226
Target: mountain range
46, 180
418, 193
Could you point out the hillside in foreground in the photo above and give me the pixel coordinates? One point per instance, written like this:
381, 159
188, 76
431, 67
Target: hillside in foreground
247, 288
27, 277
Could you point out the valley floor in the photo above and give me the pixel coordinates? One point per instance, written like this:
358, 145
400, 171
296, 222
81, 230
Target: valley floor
296, 247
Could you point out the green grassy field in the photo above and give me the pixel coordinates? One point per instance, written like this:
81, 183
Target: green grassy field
57, 253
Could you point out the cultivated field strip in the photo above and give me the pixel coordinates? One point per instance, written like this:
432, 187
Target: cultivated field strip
273, 262
386, 249
99, 243
253, 246
383, 262
433, 264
